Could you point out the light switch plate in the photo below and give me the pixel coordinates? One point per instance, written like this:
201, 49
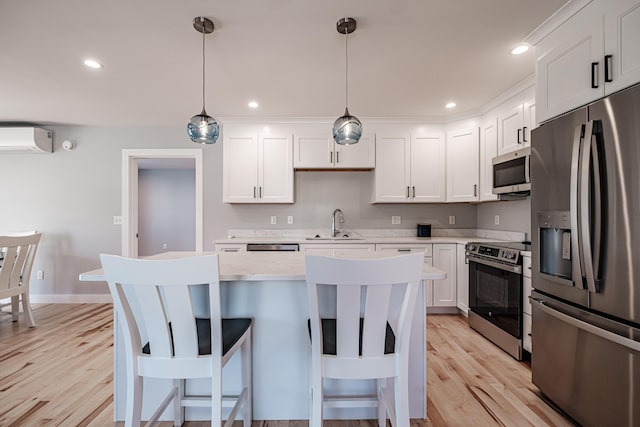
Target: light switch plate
396, 219
274, 220
452, 219
117, 220
290, 219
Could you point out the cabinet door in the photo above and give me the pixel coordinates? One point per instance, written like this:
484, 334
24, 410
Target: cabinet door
488, 150
622, 41
392, 168
462, 165
313, 152
530, 122
510, 124
240, 168
427, 168
356, 156
275, 180
444, 291
428, 285
462, 282
564, 74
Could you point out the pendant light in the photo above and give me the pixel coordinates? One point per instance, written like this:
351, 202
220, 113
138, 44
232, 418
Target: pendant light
347, 129
203, 128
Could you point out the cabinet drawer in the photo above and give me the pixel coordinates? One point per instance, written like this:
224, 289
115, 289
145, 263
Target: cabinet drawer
408, 247
526, 266
526, 332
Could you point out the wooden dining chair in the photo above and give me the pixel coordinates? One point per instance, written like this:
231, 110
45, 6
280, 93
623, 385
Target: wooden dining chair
18, 251
163, 338
365, 340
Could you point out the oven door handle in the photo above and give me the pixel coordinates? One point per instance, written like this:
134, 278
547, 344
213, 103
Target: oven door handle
510, 268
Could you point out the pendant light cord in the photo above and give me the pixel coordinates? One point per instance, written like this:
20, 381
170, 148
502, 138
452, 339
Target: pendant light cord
203, 64
346, 73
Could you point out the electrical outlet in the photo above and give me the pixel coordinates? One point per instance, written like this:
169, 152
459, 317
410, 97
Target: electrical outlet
396, 219
290, 219
452, 219
40, 274
117, 220
164, 246
274, 220
496, 219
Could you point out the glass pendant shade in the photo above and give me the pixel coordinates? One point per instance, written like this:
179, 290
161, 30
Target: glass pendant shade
347, 129
203, 129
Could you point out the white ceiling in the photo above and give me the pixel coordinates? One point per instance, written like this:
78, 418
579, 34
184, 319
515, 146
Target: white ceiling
406, 59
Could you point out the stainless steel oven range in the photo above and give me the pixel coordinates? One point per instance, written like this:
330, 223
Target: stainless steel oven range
495, 293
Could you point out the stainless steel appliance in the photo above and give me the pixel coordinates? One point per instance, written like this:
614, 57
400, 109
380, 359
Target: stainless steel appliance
585, 212
495, 293
273, 247
511, 173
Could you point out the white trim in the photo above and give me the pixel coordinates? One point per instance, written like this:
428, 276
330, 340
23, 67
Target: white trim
70, 299
519, 87
129, 157
561, 16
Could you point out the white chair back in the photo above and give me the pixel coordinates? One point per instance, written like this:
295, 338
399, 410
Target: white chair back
153, 297
18, 253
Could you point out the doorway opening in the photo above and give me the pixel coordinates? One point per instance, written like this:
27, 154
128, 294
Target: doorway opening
159, 233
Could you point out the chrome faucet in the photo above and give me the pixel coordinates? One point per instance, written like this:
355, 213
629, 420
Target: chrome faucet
334, 231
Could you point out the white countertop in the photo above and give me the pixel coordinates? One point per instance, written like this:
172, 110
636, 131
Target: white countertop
369, 236
268, 266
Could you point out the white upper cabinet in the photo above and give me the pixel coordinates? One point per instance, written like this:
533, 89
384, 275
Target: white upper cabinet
462, 165
410, 166
591, 55
515, 121
488, 150
314, 148
257, 165
622, 46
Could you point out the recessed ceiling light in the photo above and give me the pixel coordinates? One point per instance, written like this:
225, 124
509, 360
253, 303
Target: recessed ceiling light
253, 104
450, 105
92, 63
520, 49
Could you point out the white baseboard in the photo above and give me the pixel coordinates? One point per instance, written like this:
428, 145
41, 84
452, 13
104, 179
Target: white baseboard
71, 299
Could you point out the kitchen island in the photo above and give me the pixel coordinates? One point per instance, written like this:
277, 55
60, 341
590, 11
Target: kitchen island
271, 288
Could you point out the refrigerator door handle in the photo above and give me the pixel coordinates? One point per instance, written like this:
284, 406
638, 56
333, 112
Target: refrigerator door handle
583, 218
587, 327
576, 259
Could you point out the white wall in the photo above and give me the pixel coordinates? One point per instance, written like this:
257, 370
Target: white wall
166, 210
72, 196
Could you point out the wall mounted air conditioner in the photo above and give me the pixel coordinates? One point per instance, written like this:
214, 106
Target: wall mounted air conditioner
25, 140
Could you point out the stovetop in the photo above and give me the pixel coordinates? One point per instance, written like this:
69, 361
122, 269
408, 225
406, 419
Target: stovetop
506, 252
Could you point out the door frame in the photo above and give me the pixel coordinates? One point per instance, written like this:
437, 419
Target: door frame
130, 159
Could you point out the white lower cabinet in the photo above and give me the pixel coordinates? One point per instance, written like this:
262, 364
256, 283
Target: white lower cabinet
231, 247
526, 304
444, 291
462, 282
322, 248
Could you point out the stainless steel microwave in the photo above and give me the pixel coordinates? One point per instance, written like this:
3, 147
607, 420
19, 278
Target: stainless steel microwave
511, 172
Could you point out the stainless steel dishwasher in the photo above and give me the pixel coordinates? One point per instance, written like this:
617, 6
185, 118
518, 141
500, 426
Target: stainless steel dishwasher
273, 247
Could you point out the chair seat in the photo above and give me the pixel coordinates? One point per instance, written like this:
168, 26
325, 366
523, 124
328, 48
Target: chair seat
232, 331
329, 327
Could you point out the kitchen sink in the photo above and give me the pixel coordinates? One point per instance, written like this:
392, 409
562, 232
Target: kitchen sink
341, 236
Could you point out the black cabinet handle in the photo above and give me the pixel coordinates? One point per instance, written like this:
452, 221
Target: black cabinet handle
608, 68
524, 134
475, 190
594, 75
414, 192
407, 192
519, 130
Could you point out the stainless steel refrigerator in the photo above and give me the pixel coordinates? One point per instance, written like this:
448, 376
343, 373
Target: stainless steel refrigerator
585, 213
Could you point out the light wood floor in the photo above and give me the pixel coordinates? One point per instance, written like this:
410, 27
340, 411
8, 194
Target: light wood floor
60, 374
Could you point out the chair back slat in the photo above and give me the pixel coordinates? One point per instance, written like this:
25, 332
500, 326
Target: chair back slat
183, 321
376, 313
347, 321
379, 278
19, 253
155, 319
154, 299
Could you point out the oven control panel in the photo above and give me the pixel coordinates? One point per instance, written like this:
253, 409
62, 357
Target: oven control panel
495, 252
